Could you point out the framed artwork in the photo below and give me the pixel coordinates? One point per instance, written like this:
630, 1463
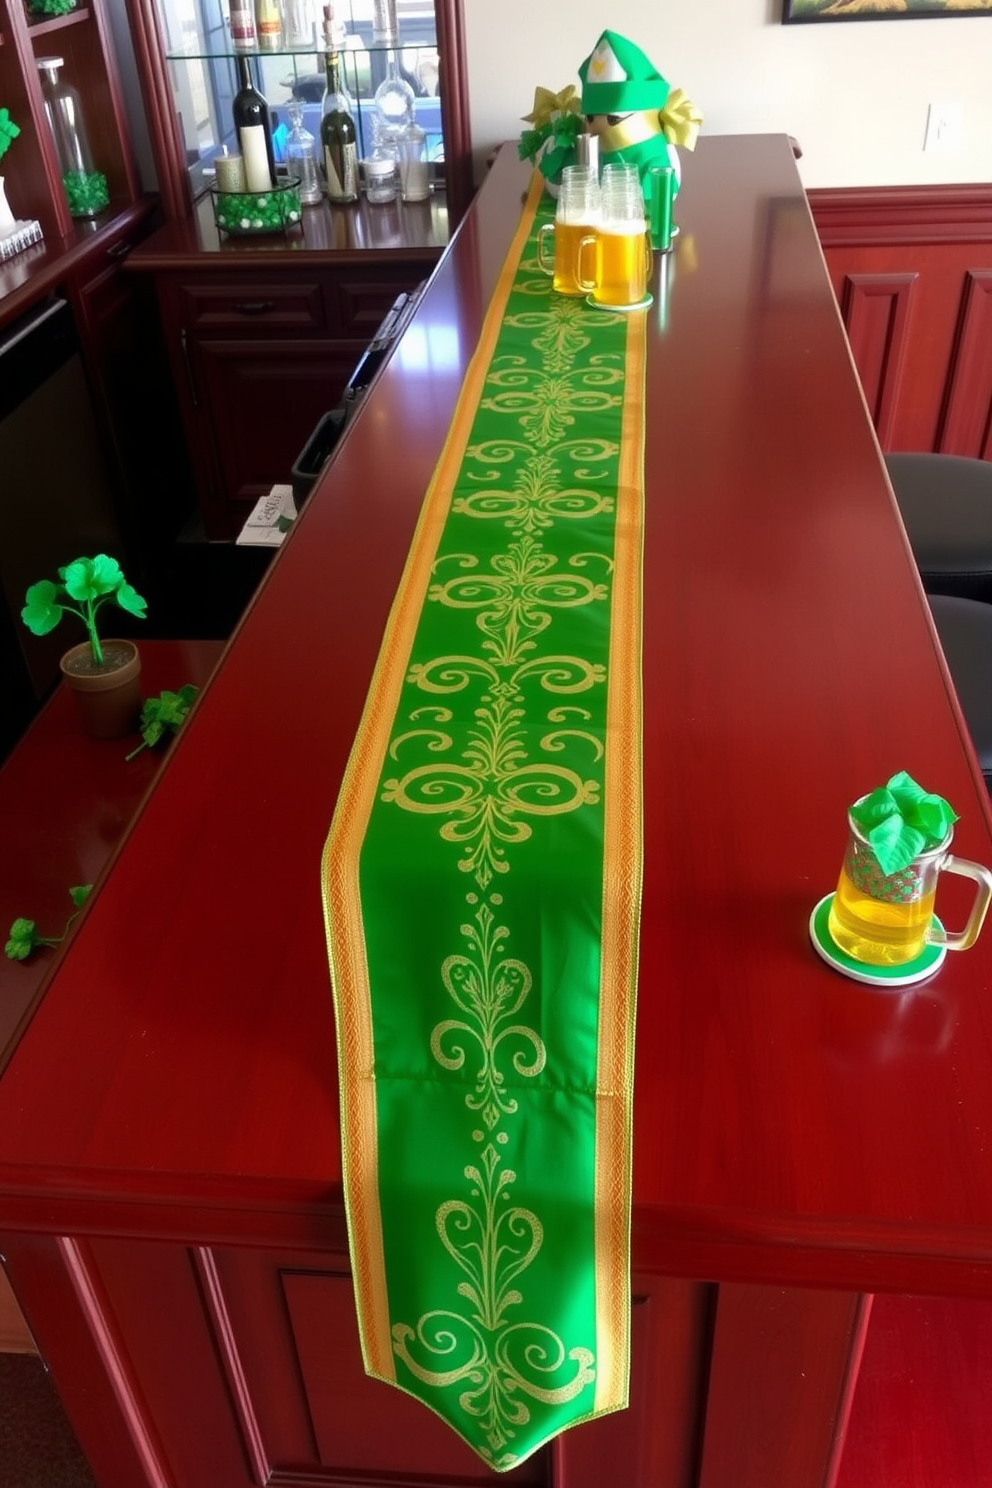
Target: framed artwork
795, 12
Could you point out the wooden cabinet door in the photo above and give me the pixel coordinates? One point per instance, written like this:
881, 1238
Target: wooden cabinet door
201, 1366
261, 401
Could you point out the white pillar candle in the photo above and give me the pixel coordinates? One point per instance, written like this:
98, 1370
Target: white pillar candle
253, 147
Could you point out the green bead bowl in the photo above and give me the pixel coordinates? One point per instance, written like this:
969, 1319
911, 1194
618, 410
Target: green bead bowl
250, 213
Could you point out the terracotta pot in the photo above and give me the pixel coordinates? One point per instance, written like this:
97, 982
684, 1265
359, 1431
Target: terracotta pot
109, 696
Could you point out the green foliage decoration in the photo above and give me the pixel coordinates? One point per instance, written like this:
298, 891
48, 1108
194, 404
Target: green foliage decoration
90, 582
51, 7
163, 715
24, 937
86, 192
8, 132
555, 121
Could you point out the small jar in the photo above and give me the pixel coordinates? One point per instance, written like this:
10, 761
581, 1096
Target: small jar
380, 178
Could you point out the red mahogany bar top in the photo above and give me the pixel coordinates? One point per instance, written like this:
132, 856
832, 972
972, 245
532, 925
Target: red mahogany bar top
170, 1194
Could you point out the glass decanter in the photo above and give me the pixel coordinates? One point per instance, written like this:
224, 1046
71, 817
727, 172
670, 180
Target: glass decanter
301, 155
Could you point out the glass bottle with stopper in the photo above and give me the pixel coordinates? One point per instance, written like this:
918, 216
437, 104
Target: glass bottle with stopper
394, 105
301, 155
338, 136
85, 186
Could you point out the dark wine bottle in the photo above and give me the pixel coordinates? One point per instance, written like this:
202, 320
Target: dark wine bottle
337, 135
251, 120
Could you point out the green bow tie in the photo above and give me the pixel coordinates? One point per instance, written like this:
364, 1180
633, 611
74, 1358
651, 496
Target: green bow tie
901, 819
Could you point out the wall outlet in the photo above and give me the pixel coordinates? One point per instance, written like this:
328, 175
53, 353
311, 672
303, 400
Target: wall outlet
945, 127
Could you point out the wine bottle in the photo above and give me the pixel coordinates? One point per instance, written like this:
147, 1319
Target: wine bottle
251, 121
337, 135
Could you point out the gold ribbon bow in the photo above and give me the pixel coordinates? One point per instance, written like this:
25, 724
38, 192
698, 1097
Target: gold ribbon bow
680, 120
547, 104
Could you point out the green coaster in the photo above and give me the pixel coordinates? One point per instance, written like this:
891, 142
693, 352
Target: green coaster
881, 977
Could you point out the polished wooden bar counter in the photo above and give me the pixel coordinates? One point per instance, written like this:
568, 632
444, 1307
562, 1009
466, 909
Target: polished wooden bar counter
170, 1196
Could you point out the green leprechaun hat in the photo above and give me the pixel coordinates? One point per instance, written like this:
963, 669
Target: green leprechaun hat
617, 78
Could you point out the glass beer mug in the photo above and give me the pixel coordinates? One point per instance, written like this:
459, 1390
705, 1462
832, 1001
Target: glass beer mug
623, 248
888, 919
576, 217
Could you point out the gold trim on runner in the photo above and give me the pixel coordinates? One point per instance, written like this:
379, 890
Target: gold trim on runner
621, 902
339, 869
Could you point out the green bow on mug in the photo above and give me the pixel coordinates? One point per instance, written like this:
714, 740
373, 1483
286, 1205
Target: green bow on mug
901, 819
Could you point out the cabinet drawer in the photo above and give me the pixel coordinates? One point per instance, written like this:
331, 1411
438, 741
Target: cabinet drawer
364, 299
254, 307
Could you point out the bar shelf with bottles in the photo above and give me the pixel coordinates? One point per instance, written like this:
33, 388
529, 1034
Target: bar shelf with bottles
205, 79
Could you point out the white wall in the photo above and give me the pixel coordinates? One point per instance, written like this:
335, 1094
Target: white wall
854, 94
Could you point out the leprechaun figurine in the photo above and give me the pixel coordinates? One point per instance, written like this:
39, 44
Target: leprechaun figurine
638, 116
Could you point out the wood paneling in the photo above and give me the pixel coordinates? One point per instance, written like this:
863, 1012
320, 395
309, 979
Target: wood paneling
780, 1356
876, 313
926, 1369
911, 271
966, 426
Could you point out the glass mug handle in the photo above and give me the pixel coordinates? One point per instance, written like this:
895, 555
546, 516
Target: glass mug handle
983, 878
542, 238
648, 256
587, 285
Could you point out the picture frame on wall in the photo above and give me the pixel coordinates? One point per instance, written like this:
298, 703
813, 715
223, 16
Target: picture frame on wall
798, 12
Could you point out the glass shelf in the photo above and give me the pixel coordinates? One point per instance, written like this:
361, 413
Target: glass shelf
46, 26
204, 55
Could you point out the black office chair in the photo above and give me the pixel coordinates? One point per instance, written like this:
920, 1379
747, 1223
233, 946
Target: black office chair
946, 506
965, 630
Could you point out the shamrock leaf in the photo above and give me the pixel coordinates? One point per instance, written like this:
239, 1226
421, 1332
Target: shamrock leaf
91, 578
163, 714
129, 599
42, 612
24, 937
531, 141
22, 940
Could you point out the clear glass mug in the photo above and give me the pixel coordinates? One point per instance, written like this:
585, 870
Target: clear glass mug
623, 248
887, 919
577, 214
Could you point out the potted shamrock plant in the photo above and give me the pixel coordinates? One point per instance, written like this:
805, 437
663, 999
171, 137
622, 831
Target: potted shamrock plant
103, 675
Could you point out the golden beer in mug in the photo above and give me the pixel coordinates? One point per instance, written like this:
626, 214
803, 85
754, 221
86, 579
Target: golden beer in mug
888, 919
623, 264
575, 246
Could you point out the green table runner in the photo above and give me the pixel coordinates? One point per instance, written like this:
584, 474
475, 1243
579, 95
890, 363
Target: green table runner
481, 887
